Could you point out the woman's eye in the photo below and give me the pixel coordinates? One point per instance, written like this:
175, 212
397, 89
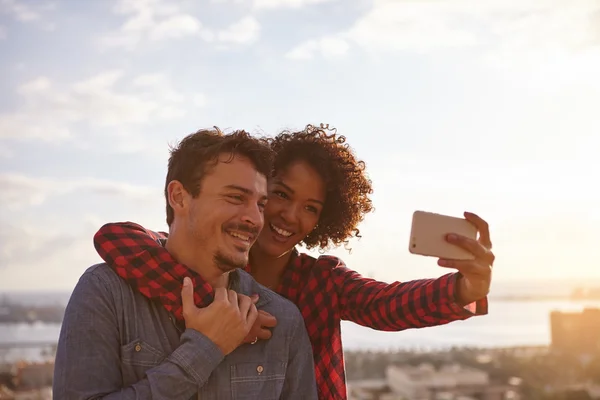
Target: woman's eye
280, 194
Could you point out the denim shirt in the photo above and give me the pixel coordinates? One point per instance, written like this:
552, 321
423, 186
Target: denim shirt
117, 344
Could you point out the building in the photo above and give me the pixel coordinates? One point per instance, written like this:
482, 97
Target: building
31, 376
576, 333
449, 382
367, 389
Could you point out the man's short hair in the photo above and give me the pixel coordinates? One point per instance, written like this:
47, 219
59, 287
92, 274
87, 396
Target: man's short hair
197, 153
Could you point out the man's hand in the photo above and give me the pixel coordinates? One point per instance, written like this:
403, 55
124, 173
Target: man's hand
477, 273
260, 329
226, 321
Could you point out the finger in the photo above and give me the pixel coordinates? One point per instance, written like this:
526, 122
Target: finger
252, 315
266, 319
187, 297
257, 331
264, 334
251, 336
472, 246
254, 298
221, 294
232, 296
489, 258
244, 302
483, 228
466, 267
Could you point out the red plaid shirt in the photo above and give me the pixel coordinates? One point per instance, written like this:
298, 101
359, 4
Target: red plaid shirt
324, 290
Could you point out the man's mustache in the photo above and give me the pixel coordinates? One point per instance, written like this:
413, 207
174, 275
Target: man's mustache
251, 229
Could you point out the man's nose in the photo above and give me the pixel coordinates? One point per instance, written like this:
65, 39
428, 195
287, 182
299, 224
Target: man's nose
253, 215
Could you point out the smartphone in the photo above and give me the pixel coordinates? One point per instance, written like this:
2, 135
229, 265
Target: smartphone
428, 235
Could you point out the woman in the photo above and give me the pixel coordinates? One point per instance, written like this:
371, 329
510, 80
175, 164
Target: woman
318, 195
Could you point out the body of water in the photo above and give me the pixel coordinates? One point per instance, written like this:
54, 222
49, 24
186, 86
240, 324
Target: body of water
508, 324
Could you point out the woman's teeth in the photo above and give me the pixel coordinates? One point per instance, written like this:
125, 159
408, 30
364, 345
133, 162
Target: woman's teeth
282, 232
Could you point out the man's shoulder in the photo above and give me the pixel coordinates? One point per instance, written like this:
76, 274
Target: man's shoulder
100, 272
101, 285
100, 281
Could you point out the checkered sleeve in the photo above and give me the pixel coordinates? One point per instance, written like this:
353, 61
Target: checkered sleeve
138, 257
399, 305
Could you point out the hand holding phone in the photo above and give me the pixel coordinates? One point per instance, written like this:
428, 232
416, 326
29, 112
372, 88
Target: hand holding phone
469, 255
429, 231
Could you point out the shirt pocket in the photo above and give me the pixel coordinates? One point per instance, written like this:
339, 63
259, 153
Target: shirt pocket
136, 358
257, 380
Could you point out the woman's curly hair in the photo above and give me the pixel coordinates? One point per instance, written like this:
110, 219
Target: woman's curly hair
347, 185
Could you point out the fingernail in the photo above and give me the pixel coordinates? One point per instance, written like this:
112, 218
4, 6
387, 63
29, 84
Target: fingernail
452, 237
187, 281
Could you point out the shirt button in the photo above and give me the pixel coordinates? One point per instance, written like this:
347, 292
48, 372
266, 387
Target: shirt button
260, 369
138, 347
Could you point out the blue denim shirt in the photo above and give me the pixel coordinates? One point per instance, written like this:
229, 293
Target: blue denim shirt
117, 344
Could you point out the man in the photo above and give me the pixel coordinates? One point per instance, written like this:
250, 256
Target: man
118, 341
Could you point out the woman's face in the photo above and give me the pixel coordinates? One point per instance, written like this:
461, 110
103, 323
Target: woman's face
296, 198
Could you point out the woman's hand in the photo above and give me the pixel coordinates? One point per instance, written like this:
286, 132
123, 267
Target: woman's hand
476, 274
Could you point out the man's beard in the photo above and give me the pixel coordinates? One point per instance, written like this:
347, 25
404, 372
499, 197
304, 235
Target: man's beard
227, 264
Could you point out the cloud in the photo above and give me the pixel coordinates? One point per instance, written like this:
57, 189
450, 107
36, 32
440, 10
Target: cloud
48, 110
245, 31
6, 153
22, 244
19, 10
154, 21
265, 4
158, 21
327, 46
46, 256
272, 4
527, 28
21, 192
48, 224
2, 33
26, 12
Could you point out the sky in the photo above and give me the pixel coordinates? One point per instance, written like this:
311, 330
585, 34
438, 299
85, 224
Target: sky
489, 106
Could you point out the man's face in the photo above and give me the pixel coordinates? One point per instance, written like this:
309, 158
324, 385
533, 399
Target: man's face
224, 220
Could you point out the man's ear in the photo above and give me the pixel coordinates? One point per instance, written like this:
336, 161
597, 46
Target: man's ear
178, 196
